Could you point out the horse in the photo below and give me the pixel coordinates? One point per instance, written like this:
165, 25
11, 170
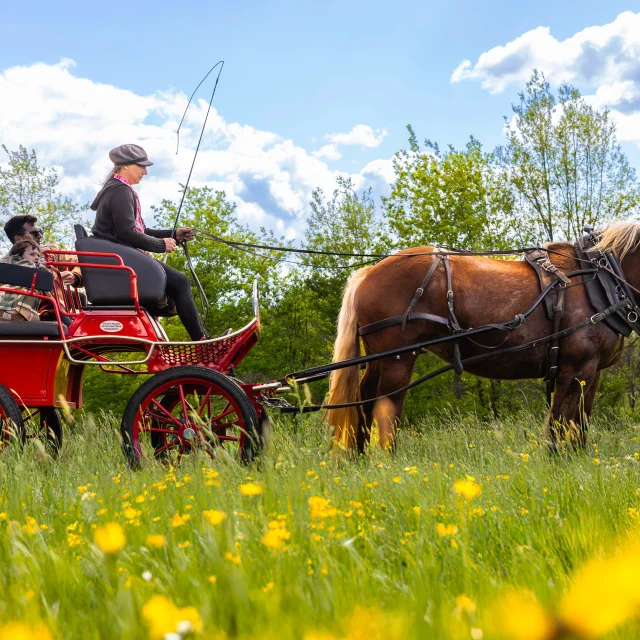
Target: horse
486, 290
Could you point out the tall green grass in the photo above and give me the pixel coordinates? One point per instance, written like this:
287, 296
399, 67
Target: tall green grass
363, 556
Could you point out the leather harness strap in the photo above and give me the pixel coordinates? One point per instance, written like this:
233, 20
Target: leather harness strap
419, 291
390, 322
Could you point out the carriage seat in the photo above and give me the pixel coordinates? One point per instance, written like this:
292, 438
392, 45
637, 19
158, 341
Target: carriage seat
111, 288
18, 329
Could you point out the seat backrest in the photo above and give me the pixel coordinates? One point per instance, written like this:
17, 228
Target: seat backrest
111, 287
81, 232
19, 276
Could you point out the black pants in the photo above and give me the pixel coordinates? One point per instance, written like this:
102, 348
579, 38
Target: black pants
179, 290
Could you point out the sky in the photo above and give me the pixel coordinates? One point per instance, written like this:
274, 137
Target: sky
308, 91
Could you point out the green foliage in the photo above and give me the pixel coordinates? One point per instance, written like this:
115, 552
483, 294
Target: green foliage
26, 188
563, 160
449, 199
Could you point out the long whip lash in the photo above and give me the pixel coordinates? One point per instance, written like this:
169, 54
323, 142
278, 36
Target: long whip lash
204, 124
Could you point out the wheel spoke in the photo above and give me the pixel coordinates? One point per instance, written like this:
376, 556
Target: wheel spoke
185, 410
226, 411
165, 447
170, 416
159, 430
205, 402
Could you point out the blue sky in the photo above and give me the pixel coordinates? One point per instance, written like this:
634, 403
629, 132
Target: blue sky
302, 70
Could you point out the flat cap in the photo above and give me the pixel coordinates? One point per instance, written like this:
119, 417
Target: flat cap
129, 154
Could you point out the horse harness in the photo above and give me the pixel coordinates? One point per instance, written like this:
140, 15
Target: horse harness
607, 287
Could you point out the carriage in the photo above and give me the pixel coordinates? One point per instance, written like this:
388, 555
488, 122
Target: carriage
191, 398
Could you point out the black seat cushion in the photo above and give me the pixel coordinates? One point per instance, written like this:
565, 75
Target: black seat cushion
17, 328
108, 287
19, 276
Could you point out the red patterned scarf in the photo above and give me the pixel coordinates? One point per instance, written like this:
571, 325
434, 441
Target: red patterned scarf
139, 221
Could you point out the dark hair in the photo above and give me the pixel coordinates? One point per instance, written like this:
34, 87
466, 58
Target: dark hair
15, 226
20, 247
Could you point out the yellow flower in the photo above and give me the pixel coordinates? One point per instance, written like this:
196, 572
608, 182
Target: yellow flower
446, 530
184, 545
179, 520
416, 510
83, 488
250, 489
321, 508
212, 579
276, 536
525, 456
235, 559
596, 461
467, 488
31, 527
465, 603
156, 540
131, 514
163, 617
605, 594
18, 631
214, 517
397, 479
73, 539
520, 617
110, 538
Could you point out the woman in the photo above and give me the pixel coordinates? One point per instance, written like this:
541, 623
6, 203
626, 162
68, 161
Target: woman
119, 219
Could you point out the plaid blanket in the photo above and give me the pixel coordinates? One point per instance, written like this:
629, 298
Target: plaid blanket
14, 306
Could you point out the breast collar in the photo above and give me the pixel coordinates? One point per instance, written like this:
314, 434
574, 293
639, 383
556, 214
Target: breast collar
611, 281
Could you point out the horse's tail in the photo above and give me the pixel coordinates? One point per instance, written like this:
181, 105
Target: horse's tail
345, 383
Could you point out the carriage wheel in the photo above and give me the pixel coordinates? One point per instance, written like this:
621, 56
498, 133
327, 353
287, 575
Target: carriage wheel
187, 407
11, 423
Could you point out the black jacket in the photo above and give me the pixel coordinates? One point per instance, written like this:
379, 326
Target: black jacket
115, 209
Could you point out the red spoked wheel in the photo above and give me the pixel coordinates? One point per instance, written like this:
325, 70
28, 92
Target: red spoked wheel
185, 408
11, 422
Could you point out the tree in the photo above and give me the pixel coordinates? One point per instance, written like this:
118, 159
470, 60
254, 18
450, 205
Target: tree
564, 162
26, 188
450, 199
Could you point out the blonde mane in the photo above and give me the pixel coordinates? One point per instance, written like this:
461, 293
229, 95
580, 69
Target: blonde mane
620, 238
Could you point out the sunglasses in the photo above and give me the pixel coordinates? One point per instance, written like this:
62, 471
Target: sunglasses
36, 233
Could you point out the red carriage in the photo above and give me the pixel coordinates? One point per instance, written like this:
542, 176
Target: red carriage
191, 397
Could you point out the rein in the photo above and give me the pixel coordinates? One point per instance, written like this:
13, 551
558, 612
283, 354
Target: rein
247, 246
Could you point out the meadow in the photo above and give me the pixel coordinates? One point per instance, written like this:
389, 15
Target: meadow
472, 530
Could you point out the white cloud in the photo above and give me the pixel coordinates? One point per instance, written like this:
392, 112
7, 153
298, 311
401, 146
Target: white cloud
328, 151
361, 134
606, 53
73, 122
603, 59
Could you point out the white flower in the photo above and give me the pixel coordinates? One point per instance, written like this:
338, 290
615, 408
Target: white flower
146, 576
185, 627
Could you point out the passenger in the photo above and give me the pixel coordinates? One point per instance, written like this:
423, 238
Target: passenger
25, 228
21, 307
119, 219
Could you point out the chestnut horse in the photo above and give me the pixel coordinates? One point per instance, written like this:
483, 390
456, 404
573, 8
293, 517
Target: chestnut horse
486, 291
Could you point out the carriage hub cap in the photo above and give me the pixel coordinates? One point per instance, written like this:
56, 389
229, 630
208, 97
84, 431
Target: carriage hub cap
189, 434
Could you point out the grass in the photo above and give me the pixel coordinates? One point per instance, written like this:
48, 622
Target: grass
383, 547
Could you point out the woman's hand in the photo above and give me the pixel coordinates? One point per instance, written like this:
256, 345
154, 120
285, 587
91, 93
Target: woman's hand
184, 234
169, 244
